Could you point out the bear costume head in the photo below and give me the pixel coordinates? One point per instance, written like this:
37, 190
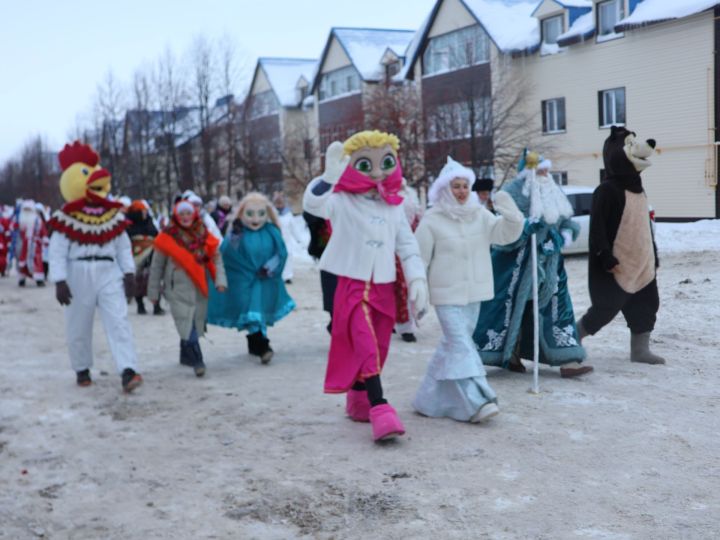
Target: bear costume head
625, 156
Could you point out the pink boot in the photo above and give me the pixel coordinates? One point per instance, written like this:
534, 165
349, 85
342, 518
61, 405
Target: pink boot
357, 405
385, 422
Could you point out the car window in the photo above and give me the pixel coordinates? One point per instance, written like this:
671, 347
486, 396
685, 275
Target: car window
581, 203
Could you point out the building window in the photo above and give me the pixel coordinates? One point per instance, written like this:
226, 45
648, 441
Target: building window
609, 13
560, 177
611, 106
264, 104
552, 27
460, 120
553, 115
339, 82
455, 50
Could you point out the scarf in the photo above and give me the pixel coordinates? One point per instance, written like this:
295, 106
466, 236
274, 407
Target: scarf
191, 248
446, 203
353, 181
547, 200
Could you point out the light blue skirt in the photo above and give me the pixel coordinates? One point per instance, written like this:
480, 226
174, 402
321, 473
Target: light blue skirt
455, 385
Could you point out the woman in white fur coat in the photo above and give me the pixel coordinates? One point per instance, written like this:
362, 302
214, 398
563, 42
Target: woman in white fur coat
455, 237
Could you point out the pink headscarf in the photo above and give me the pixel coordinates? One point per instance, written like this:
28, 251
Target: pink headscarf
353, 181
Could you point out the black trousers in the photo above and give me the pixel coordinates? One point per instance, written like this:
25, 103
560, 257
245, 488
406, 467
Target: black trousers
608, 299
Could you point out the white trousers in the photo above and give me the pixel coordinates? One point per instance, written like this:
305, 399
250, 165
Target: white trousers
98, 284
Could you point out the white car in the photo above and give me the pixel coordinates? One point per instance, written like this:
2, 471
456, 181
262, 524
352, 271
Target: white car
580, 198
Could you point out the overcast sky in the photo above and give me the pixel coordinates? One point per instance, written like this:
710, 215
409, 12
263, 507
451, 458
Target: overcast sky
54, 53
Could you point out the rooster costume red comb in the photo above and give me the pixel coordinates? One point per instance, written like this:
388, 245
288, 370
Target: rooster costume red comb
77, 153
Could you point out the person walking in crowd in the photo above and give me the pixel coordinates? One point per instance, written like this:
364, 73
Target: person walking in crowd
455, 238
142, 233
222, 212
5, 239
359, 193
405, 323
194, 199
320, 231
185, 261
504, 332
483, 187
286, 219
33, 236
254, 255
91, 265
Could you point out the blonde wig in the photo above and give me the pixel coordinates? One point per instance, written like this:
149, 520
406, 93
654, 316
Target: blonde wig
370, 139
257, 197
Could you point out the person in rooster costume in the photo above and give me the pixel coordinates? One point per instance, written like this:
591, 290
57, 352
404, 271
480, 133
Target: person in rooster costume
359, 193
91, 264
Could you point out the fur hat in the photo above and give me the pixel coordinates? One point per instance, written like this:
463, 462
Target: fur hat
449, 172
224, 201
483, 184
544, 165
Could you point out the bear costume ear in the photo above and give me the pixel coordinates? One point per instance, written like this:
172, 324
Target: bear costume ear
651, 143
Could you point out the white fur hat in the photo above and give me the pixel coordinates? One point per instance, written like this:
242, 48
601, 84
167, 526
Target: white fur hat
449, 172
544, 165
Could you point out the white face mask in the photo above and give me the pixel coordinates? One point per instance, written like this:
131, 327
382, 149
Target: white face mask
254, 215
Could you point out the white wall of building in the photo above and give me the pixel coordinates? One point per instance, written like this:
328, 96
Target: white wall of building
667, 72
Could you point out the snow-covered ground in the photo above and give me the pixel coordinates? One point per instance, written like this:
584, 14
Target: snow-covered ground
251, 451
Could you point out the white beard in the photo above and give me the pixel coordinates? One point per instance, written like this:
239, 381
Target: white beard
27, 221
547, 200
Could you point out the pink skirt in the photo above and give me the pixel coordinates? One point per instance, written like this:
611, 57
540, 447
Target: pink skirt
363, 320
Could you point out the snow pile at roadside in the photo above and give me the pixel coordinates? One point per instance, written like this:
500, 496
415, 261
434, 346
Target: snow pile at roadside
699, 236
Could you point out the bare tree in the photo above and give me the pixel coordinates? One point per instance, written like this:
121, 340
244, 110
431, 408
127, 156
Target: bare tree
482, 120
299, 152
203, 69
139, 138
395, 107
170, 96
110, 107
33, 174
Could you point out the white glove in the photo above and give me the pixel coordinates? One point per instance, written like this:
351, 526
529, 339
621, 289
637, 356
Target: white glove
506, 207
335, 163
567, 237
418, 295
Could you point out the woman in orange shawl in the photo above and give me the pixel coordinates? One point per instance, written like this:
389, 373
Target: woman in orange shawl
186, 258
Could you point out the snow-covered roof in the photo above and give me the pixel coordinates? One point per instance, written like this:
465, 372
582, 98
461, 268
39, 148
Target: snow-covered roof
283, 75
583, 28
414, 45
652, 11
366, 47
511, 26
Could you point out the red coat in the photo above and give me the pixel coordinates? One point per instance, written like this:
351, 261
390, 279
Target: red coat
30, 261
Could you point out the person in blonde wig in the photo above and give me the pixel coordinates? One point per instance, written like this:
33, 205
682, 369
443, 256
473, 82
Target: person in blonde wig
254, 255
359, 193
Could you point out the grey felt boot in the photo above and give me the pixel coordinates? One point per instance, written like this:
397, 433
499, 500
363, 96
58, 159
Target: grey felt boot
640, 350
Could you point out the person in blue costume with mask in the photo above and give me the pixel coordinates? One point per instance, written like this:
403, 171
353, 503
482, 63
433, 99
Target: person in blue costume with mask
504, 332
254, 255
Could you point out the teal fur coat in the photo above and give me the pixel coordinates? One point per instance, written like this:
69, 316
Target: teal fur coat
255, 298
506, 321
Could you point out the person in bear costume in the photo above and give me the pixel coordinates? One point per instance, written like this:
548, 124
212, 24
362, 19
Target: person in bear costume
623, 256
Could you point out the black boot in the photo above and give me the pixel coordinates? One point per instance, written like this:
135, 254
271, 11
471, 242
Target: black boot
187, 355
140, 305
259, 345
199, 365
157, 310
83, 378
130, 380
